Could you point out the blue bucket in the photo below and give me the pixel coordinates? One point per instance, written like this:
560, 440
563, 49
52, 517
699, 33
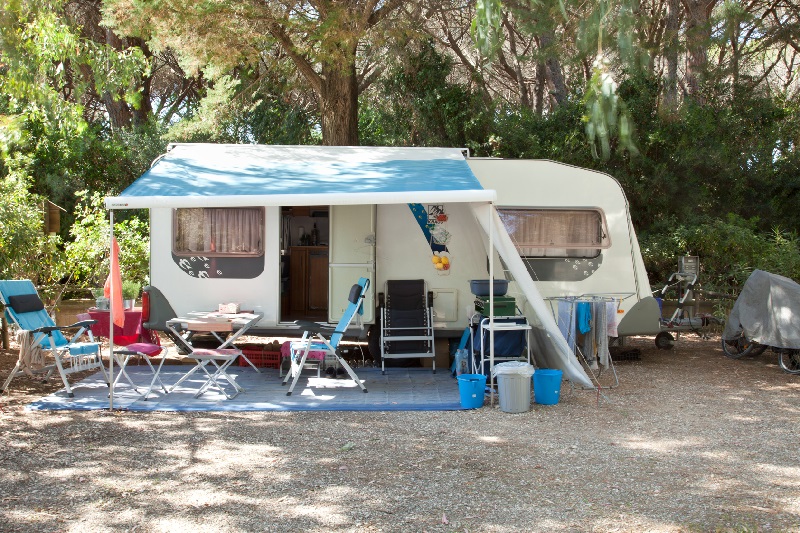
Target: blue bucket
546, 386
471, 388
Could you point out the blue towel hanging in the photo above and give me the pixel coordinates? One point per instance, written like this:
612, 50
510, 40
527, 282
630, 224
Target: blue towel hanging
584, 316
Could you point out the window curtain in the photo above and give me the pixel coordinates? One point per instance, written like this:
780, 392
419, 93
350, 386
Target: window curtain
556, 233
219, 230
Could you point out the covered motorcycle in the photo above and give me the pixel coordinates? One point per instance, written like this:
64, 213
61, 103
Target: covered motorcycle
766, 314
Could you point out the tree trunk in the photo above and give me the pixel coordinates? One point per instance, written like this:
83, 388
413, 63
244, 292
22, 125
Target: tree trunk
143, 113
541, 81
524, 94
339, 105
671, 31
698, 34
554, 68
119, 114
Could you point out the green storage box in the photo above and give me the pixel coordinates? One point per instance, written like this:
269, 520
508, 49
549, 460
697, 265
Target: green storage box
503, 305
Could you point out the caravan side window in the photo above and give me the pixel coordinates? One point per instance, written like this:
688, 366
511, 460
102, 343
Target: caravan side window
218, 231
556, 232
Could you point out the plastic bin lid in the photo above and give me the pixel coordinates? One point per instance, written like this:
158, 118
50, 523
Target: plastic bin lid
513, 367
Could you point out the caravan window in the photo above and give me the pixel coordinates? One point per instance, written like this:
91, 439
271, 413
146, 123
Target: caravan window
556, 232
216, 232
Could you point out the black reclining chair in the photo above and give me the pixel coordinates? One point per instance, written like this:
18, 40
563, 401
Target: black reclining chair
406, 321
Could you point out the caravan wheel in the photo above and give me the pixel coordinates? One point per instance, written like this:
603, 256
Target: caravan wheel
665, 341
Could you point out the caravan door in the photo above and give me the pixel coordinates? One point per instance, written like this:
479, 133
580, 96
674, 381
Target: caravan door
352, 256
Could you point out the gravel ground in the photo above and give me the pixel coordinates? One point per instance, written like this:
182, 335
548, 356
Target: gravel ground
688, 441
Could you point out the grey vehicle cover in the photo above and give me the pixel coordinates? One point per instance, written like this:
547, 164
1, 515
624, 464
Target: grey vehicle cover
767, 310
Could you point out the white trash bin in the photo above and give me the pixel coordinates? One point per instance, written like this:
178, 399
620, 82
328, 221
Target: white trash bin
514, 385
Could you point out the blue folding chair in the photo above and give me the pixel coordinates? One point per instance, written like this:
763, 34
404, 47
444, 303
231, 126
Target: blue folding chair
25, 309
314, 337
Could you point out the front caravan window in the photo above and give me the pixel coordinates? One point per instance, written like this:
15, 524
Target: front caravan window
556, 232
219, 232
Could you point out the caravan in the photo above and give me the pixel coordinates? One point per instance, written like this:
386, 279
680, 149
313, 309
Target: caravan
284, 231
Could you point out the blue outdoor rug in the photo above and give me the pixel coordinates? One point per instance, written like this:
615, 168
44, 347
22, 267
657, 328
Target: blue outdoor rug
400, 389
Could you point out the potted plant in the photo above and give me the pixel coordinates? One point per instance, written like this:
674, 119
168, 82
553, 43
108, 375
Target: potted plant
130, 291
100, 300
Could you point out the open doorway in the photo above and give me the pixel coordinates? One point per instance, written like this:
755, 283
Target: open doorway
305, 237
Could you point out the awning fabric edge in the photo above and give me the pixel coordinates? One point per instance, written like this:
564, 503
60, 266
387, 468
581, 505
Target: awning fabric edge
145, 202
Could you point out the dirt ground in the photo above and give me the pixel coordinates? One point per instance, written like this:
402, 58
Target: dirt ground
688, 441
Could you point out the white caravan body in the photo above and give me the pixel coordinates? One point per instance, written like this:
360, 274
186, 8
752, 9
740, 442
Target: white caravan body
615, 272
369, 220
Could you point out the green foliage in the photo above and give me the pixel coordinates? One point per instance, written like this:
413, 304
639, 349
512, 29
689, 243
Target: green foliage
729, 248
57, 166
275, 121
606, 113
486, 28
25, 251
214, 120
46, 139
416, 105
130, 289
517, 132
229, 114
87, 255
43, 57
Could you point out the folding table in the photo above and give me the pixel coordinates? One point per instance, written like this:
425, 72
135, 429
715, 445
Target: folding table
221, 357
215, 323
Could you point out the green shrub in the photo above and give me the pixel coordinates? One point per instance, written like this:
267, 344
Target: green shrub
729, 249
87, 255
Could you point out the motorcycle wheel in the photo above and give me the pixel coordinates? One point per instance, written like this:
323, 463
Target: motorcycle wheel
790, 361
738, 347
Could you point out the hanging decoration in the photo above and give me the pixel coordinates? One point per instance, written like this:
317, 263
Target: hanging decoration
432, 220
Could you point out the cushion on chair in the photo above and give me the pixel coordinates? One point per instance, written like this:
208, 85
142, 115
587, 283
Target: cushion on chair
84, 348
25, 303
150, 350
355, 293
221, 353
287, 347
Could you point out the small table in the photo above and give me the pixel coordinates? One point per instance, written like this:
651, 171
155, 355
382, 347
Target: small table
214, 323
503, 324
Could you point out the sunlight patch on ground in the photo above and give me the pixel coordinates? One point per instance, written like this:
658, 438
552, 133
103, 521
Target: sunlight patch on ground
781, 475
662, 446
740, 418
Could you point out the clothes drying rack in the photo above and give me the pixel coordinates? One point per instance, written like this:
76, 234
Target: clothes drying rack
593, 362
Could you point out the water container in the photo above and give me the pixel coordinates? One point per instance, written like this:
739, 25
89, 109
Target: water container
547, 386
471, 388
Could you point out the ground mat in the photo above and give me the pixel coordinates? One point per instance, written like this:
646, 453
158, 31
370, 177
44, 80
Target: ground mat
400, 389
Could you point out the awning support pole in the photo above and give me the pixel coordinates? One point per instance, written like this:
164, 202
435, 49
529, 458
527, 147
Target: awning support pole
111, 317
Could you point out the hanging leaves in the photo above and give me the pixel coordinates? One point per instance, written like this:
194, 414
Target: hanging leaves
606, 114
486, 27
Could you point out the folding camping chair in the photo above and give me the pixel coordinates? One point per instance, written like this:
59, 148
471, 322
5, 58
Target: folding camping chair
139, 350
219, 360
406, 321
314, 338
25, 309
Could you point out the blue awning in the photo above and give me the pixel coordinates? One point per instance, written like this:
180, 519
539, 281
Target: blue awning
225, 175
